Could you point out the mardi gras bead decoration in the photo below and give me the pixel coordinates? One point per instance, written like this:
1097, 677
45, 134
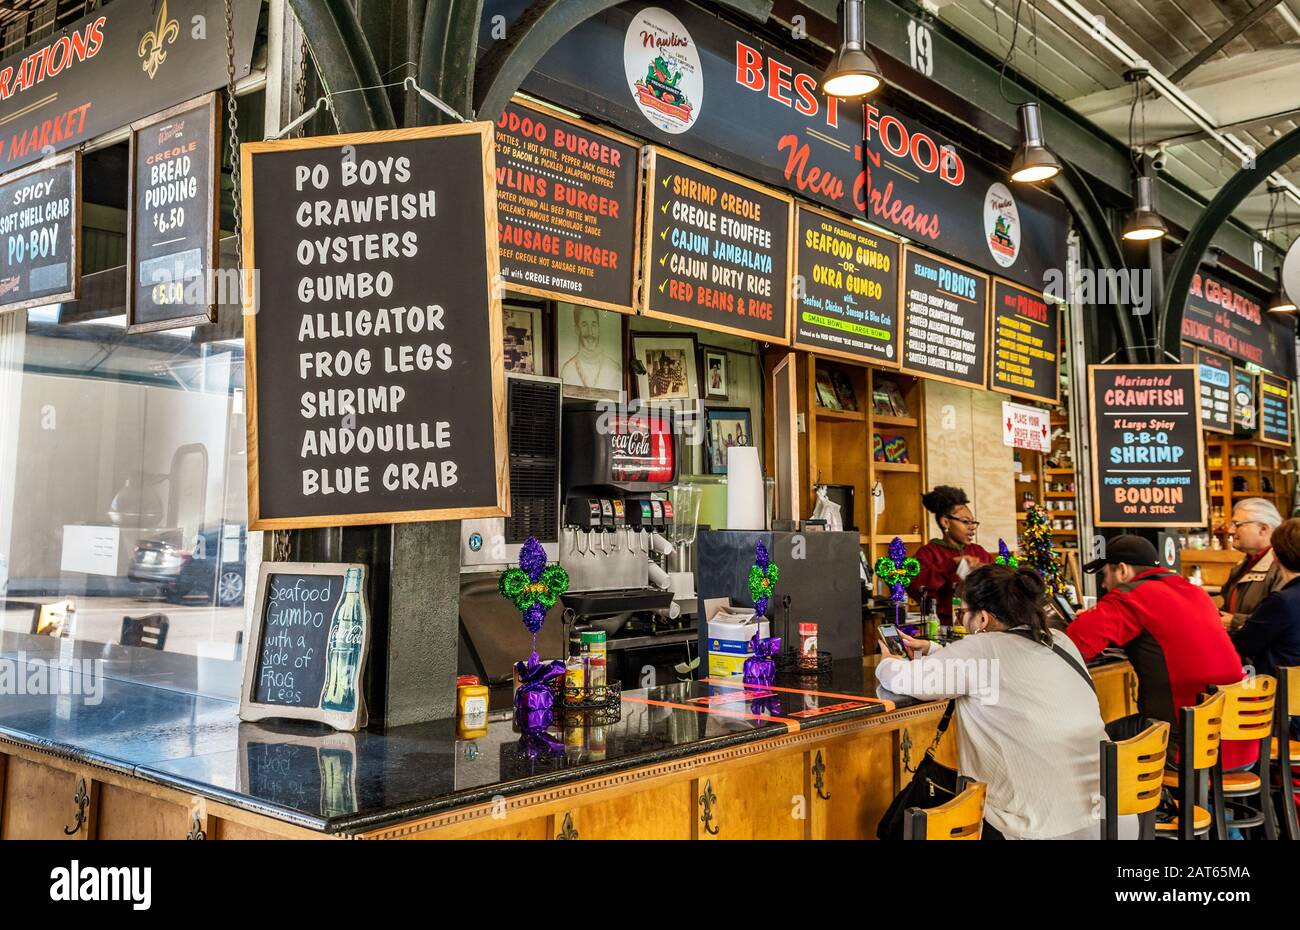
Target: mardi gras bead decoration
763, 575
897, 569
760, 668
534, 586
1005, 555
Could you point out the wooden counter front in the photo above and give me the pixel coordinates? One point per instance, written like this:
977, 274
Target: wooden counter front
829, 782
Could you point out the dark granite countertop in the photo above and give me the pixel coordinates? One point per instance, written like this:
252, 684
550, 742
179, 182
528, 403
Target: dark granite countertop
314, 777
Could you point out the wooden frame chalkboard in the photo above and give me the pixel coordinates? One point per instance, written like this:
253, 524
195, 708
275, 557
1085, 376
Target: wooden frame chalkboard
491, 385
74, 254
1196, 461
1197, 354
250, 707
996, 286
1282, 386
628, 305
797, 270
908, 252
206, 109
652, 156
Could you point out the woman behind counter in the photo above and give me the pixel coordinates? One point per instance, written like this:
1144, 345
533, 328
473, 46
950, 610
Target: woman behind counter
950, 558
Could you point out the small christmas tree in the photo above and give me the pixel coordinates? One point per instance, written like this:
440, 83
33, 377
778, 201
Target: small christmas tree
1039, 552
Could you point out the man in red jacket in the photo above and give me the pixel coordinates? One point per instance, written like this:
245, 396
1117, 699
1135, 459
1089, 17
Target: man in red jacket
1169, 629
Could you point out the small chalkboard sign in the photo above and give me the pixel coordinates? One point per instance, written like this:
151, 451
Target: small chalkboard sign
945, 319
1245, 411
310, 636
172, 245
294, 767
1026, 343
1214, 371
1274, 410
846, 303
717, 250
1147, 446
40, 220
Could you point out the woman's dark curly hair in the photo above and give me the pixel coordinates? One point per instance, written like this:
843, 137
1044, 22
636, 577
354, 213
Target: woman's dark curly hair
1013, 595
942, 500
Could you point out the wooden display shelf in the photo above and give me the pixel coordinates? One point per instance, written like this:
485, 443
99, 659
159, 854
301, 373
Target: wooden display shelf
904, 422
1061, 495
897, 466
850, 416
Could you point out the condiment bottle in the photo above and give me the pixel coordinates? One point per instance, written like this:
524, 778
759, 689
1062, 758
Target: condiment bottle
574, 674
808, 646
471, 698
593, 655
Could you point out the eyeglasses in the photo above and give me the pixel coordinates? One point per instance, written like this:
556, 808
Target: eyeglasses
972, 524
1233, 524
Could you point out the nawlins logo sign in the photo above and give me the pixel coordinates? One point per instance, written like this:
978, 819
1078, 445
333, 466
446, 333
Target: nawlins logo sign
1002, 225
663, 70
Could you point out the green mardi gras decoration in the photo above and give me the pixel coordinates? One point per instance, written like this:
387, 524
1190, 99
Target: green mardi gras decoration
897, 570
535, 586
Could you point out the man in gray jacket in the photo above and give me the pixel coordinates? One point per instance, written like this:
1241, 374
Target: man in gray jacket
1257, 575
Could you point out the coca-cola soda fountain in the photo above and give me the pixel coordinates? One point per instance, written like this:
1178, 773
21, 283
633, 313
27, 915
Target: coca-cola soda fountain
616, 464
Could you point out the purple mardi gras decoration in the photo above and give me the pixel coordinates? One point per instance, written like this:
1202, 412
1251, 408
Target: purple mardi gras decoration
763, 576
897, 570
535, 701
760, 668
534, 586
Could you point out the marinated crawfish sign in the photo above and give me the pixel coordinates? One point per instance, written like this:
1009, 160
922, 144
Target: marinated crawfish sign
717, 250
375, 354
172, 243
680, 76
567, 204
846, 298
40, 221
119, 64
1147, 446
1026, 343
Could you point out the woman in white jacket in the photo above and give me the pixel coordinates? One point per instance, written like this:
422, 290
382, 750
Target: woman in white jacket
1028, 723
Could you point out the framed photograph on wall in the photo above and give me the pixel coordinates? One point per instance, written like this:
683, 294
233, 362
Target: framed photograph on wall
669, 363
714, 370
589, 351
725, 427
525, 339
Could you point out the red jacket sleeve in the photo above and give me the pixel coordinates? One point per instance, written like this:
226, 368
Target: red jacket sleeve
1110, 623
937, 565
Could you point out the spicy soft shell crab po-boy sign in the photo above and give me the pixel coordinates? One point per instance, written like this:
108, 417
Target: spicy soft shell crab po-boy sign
374, 335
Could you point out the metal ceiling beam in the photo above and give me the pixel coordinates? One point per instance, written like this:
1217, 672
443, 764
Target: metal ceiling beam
448, 47
1198, 240
345, 64
1216, 46
963, 82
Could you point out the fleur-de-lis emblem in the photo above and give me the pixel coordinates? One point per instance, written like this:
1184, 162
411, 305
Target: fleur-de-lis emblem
153, 45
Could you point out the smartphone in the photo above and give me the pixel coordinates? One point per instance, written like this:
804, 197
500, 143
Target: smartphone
893, 641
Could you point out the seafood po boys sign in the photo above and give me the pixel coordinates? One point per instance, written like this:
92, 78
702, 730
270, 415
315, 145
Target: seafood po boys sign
681, 77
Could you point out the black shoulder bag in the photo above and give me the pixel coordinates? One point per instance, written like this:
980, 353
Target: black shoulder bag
934, 783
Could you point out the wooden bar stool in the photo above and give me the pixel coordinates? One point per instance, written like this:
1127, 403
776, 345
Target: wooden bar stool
1198, 755
1247, 715
962, 818
1131, 773
1286, 751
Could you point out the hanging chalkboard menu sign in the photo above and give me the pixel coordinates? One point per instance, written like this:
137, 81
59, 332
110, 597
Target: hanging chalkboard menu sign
1245, 412
717, 250
374, 337
1147, 447
1214, 372
945, 319
846, 297
1026, 343
307, 652
172, 242
1274, 410
40, 220
567, 204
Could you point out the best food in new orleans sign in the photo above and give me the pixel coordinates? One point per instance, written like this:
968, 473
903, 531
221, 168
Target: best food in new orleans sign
676, 75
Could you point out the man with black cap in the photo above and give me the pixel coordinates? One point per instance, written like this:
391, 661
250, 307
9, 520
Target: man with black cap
1169, 629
